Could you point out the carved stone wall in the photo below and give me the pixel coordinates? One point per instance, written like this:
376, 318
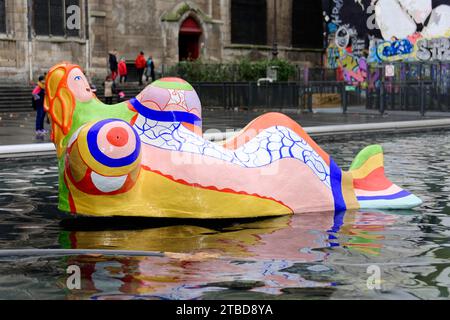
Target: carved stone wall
131, 26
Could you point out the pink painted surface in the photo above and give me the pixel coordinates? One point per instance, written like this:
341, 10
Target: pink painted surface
110, 150
288, 180
391, 190
193, 102
79, 85
161, 99
154, 98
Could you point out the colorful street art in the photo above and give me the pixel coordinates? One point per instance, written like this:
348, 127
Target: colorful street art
332, 58
355, 68
433, 49
393, 50
147, 158
412, 49
376, 31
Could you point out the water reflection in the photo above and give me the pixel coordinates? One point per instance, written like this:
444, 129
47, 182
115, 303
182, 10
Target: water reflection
304, 256
258, 256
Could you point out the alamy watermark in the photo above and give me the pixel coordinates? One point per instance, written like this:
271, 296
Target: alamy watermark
73, 17
374, 280
372, 20
73, 281
223, 150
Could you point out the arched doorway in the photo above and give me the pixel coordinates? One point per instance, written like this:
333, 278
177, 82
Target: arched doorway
189, 40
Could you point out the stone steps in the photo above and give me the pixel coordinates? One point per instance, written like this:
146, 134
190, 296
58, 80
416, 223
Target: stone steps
15, 98
18, 98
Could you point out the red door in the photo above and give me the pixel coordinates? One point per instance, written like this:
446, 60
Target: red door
189, 40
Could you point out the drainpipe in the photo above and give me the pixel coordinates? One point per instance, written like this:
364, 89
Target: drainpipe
275, 31
210, 8
87, 31
30, 39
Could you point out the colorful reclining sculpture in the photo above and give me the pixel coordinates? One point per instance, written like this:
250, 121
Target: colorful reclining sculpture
146, 157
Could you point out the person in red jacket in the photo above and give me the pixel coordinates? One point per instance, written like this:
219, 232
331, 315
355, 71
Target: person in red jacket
141, 64
123, 70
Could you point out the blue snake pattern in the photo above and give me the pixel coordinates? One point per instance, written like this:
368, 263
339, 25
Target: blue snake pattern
269, 146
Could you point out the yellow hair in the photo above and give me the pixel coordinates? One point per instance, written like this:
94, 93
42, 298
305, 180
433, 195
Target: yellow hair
59, 103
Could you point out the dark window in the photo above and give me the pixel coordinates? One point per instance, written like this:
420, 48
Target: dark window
57, 18
50, 17
249, 21
41, 17
307, 24
2, 16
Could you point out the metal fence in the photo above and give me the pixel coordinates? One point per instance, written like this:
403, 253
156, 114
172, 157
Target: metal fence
421, 96
413, 86
249, 95
279, 95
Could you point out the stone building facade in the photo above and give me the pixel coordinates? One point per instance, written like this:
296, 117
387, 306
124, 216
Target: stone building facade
35, 34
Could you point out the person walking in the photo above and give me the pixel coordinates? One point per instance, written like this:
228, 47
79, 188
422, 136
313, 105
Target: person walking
113, 64
150, 69
38, 101
123, 70
109, 90
141, 64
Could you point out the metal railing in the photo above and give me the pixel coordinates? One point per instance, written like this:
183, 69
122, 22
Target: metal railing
249, 95
277, 95
415, 86
421, 96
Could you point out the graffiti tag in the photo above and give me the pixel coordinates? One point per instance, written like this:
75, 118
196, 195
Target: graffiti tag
433, 49
355, 68
395, 50
358, 47
336, 11
344, 36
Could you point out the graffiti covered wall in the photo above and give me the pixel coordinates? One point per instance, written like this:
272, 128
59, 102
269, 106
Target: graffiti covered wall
363, 32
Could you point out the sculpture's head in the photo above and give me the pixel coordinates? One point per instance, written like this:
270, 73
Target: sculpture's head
65, 86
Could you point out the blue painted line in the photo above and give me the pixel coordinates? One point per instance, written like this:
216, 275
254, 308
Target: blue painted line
165, 116
98, 155
398, 195
336, 187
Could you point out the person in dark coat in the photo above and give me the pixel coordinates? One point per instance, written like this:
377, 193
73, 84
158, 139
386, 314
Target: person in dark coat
113, 65
38, 104
150, 69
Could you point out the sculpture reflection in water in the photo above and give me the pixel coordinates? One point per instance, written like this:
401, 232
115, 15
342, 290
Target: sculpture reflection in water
264, 257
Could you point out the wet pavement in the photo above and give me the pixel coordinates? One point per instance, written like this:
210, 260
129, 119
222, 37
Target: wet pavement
18, 128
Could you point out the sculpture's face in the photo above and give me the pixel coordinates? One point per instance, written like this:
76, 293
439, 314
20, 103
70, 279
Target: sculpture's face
66, 86
79, 85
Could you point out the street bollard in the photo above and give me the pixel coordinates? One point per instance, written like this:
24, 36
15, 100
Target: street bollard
250, 106
422, 99
224, 97
344, 98
295, 98
310, 98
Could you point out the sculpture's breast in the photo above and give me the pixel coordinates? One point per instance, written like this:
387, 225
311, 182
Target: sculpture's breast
170, 100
